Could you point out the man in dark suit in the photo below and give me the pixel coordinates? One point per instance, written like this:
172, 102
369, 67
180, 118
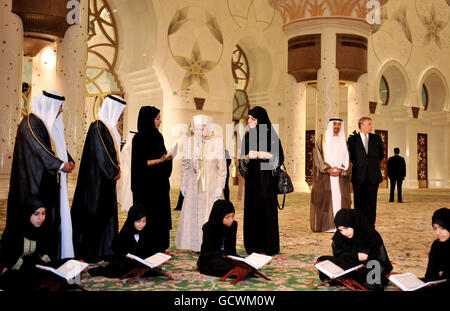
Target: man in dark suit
366, 152
396, 168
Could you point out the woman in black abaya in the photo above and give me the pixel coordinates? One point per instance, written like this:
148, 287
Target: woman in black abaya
219, 239
132, 239
356, 243
261, 157
25, 247
438, 267
151, 168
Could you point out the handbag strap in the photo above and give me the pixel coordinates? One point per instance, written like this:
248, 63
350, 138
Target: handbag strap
284, 194
284, 200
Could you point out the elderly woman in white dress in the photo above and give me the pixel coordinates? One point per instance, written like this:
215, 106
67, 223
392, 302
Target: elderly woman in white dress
203, 173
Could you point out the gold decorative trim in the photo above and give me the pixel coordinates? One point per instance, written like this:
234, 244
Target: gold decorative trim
104, 146
39, 142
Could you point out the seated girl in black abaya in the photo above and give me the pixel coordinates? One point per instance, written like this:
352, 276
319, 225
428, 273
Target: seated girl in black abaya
356, 243
219, 240
439, 258
23, 246
132, 239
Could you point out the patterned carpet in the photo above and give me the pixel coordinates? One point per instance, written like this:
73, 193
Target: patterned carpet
405, 228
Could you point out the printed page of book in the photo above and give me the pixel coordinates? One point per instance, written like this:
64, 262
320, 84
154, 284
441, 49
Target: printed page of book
406, 281
350, 270
140, 260
72, 268
257, 261
329, 268
51, 270
157, 259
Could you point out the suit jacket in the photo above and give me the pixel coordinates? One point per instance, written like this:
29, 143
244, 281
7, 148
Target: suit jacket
366, 166
396, 167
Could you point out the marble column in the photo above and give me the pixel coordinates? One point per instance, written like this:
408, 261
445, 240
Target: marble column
70, 81
358, 103
447, 156
44, 71
327, 82
11, 51
294, 145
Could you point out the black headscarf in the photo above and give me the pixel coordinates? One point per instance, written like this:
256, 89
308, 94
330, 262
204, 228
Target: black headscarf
441, 217
261, 115
12, 242
217, 235
149, 133
352, 218
136, 212
122, 244
218, 212
271, 145
146, 120
29, 230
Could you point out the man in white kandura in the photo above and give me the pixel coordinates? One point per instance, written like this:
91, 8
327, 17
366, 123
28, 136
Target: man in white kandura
203, 173
56, 129
124, 193
331, 177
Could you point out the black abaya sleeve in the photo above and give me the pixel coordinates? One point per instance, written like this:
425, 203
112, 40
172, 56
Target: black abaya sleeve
11, 247
344, 252
41, 146
98, 168
138, 164
70, 159
209, 243
168, 165
104, 151
279, 157
230, 239
433, 267
34, 172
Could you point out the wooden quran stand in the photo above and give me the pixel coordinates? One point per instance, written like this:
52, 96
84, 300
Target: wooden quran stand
240, 271
139, 270
349, 283
55, 284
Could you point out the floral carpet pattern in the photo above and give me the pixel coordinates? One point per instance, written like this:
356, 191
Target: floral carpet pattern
406, 230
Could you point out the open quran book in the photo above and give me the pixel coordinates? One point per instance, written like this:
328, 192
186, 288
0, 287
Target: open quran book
255, 260
69, 270
409, 282
333, 271
152, 261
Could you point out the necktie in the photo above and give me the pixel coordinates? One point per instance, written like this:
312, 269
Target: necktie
366, 142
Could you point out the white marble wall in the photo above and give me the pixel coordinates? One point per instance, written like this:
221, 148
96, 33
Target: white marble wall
43, 76
406, 51
11, 42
